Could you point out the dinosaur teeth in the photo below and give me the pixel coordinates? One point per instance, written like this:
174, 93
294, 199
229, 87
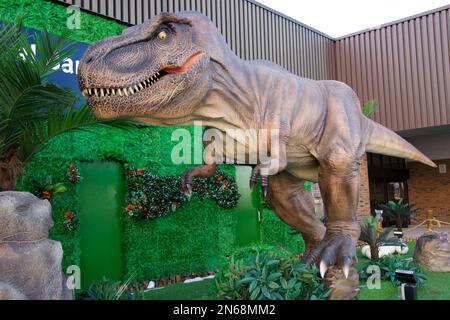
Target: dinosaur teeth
141, 86
95, 92
113, 92
102, 93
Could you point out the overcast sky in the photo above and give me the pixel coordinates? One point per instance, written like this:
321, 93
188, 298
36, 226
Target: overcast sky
341, 17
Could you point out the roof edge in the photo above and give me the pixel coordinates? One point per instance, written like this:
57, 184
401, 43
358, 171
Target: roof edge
291, 19
385, 25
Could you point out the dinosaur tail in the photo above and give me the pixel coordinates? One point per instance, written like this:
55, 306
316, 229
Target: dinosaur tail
385, 141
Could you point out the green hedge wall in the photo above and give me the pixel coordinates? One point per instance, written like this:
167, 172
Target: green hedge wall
192, 239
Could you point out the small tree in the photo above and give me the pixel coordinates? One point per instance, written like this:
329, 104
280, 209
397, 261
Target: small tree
398, 211
369, 234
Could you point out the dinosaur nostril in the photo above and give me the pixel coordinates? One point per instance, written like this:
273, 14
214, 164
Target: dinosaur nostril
89, 60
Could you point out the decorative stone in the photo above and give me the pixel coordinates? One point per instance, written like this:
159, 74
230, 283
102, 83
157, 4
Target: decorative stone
433, 252
342, 288
25, 248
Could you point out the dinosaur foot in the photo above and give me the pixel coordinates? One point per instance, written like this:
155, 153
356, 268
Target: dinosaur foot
335, 249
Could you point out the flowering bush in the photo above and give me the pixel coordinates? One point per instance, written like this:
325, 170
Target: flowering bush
70, 221
48, 189
73, 174
151, 196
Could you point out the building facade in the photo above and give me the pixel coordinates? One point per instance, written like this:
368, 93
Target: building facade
404, 65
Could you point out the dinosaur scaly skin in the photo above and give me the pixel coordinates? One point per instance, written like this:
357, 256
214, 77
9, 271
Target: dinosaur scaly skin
176, 68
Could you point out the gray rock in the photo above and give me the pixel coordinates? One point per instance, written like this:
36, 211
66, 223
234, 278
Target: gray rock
23, 216
30, 263
342, 288
433, 252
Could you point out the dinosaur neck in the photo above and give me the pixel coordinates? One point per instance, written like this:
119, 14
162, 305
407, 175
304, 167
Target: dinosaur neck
231, 102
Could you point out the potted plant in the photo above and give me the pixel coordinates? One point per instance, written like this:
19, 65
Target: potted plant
399, 211
371, 236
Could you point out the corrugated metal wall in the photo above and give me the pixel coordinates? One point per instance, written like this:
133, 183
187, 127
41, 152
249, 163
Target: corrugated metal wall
252, 30
404, 65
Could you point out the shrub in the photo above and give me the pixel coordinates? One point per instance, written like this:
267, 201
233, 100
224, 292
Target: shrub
151, 196
264, 275
388, 265
107, 289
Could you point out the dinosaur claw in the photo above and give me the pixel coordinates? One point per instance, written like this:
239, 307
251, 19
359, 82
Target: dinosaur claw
188, 190
346, 270
346, 263
323, 268
252, 184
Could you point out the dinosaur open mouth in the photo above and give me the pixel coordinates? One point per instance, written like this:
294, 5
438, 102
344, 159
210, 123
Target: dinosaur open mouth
135, 88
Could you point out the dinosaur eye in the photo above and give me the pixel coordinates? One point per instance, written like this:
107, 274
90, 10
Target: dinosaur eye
162, 35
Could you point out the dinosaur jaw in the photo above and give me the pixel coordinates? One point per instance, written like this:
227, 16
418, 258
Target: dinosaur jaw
168, 72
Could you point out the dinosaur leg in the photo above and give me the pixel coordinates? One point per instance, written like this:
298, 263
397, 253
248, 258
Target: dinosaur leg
339, 185
295, 206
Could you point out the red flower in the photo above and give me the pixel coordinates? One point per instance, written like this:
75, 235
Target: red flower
219, 179
140, 172
130, 173
72, 166
129, 208
68, 216
46, 195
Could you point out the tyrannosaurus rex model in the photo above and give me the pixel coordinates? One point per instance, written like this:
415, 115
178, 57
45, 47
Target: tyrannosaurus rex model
176, 68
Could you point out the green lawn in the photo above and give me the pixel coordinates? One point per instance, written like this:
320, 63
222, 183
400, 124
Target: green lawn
183, 291
437, 287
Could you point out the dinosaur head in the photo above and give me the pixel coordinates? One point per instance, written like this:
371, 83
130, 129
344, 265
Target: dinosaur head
160, 69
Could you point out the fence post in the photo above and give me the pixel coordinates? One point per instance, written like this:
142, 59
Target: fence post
429, 220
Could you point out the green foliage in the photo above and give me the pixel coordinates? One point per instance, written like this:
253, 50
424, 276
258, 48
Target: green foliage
388, 265
268, 276
370, 107
398, 209
26, 97
369, 232
107, 289
42, 14
151, 196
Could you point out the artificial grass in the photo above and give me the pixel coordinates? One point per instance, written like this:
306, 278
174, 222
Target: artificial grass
183, 291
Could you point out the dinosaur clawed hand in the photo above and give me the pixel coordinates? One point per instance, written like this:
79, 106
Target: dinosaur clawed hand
261, 172
186, 182
335, 249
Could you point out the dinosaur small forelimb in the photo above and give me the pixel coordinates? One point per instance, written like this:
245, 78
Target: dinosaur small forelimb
204, 171
268, 168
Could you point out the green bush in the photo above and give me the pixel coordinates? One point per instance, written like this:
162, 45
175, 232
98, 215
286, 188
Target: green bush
265, 275
150, 196
388, 265
107, 289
